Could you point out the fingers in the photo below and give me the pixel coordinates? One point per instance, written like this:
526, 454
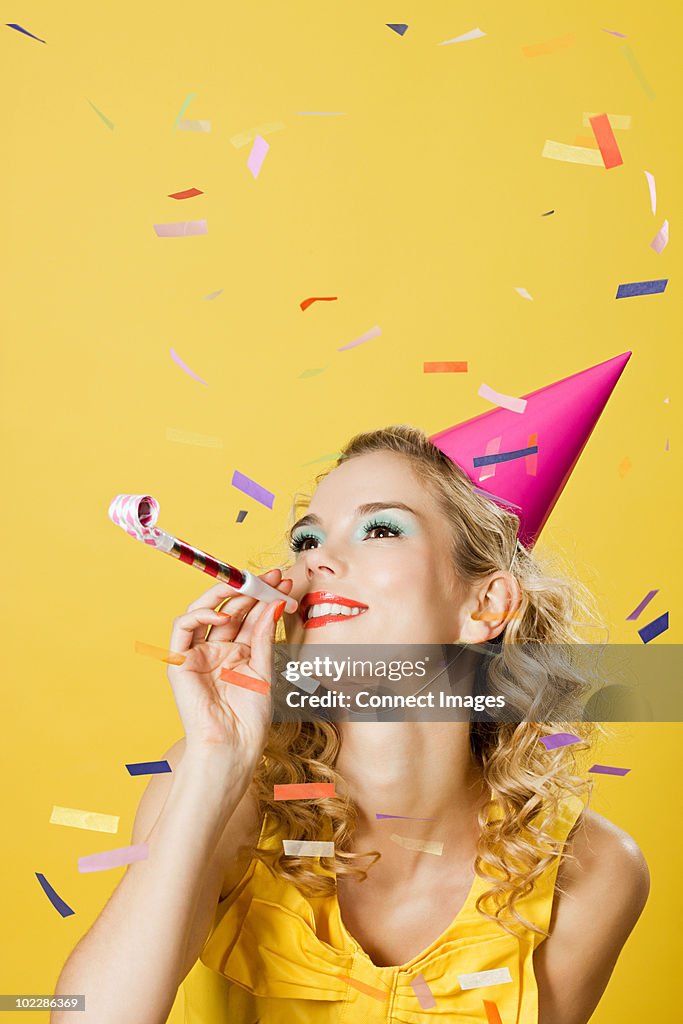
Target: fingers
214, 595
241, 628
185, 627
262, 640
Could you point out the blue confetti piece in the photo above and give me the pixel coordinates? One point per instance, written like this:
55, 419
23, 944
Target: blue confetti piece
654, 628
401, 29
489, 460
56, 901
254, 490
26, 33
148, 768
625, 291
241, 516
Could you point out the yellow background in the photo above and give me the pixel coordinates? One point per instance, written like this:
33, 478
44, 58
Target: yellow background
420, 208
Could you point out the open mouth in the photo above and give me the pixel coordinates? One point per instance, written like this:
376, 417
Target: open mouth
321, 615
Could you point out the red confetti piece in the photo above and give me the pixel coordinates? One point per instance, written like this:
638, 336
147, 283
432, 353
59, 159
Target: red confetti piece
303, 790
445, 367
318, 298
606, 140
229, 675
187, 194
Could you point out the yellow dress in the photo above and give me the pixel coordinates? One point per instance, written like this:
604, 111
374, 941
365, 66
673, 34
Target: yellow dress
274, 956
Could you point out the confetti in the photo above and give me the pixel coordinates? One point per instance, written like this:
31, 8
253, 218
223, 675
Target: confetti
637, 70
212, 295
99, 113
476, 33
303, 791
625, 291
148, 768
18, 28
481, 978
606, 140
604, 769
254, 490
323, 458
548, 213
56, 901
654, 628
445, 367
113, 858
531, 462
229, 675
244, 138
182, 229
653, 190
160, 653
368, 990
661, 239
624, 467
184, 437
317, 298
540, 49
257, 155
368, 336
186, 102
496, 498
504, 401
614, 33
241, 516
84, 819
666, 446
488, 460
401, 29
312, 372
423, 992
193, 126
524, 293
571, 154
642, 606
404, 817
621, 122
492, 448
559, 739
189, 193
307, 848
586, 141
492, 1015
418, 845
185, 367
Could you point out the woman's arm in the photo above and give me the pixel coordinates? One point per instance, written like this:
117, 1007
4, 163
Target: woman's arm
606, 890
132, 960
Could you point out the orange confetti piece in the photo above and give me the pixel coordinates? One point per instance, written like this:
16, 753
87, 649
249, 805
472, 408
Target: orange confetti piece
586, 141
161, 653
624, 467
362, 987
539, 49
445, 367
303, 790
492, 1015
494, 616
318, 298
606, 140
531, 461
229, 675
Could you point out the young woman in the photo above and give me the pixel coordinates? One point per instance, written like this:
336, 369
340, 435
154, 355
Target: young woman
525, 886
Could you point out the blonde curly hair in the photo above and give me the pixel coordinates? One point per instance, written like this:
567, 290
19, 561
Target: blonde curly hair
524, 780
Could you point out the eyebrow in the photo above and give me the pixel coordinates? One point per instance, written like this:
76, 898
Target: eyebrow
362, 510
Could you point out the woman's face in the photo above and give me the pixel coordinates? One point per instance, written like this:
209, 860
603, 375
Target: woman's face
393, 561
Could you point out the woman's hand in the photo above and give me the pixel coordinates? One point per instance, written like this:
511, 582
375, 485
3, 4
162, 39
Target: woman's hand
216, 714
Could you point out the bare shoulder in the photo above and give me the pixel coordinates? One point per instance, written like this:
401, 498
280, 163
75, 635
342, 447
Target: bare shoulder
602, 888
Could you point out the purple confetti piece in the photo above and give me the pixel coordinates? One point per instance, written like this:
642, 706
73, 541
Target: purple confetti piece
642, 606
559, 739
620, 34
368, 336
148, 768
113, 858
26, 33
56, 901
654, 628
182, 229
625, 291
185, 367
404, 817
401, 29
605, 769
254, 490
423, 992
257, 155
241, 516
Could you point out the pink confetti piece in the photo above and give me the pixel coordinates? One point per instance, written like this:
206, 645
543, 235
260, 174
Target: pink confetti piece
113, 858
423, 992
254, 490
559, 739
620, 34
653, 190
185, 367
368, 336
666, 446
257, 155
504, 401
661, 239
642, 606
492, 448
181, 229
524, 293
605, 769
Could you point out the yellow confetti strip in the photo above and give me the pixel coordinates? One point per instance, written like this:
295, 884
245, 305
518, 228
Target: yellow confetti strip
84, 819
572, 154
150, 651
619, 121
187, 438
420, 845
540, 49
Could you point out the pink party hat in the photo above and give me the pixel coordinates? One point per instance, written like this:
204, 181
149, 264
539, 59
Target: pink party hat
558, 420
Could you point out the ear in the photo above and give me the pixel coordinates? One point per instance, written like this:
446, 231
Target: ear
488, 607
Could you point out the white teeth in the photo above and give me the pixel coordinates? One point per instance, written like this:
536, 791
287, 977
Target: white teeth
317, 610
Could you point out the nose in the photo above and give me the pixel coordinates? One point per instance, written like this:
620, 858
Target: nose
324, 562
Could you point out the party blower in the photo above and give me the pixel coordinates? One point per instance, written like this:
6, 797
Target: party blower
137, 515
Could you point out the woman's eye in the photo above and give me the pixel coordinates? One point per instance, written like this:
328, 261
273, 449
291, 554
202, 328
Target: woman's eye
299, 543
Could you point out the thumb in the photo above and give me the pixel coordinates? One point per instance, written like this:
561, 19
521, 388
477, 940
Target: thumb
262, 640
